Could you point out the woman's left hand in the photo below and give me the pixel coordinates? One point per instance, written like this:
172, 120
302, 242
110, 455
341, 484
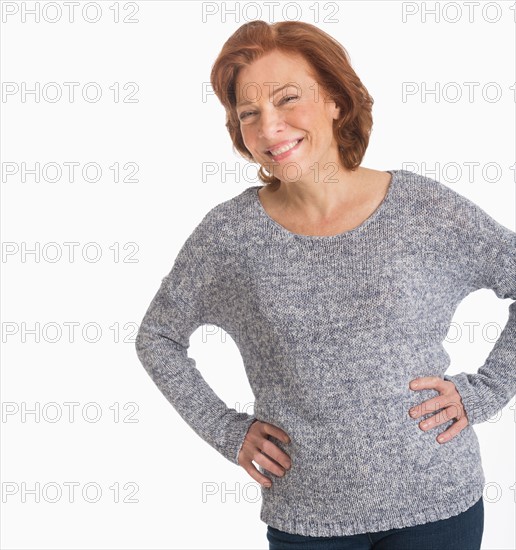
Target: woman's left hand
448, 399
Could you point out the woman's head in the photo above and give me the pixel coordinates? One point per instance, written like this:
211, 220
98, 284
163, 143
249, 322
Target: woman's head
324, 102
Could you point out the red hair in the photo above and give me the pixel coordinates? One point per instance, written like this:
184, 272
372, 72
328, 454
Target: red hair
328, 59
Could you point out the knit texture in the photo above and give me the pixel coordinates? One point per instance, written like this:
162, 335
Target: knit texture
331, 330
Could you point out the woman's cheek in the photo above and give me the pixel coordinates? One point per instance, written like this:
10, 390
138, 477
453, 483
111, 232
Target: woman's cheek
299, 117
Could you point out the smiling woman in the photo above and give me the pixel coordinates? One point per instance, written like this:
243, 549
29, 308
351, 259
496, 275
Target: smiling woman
300, 106
329, 73
302, 122
338, 284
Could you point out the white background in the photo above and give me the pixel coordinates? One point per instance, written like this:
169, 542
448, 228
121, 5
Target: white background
169, 132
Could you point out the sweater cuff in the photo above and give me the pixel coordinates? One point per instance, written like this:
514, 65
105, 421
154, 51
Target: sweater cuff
237, 437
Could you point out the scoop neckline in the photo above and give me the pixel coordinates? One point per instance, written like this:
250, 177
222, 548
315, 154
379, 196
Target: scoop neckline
350, 232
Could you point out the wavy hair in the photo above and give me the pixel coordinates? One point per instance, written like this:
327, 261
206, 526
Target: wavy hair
328, 59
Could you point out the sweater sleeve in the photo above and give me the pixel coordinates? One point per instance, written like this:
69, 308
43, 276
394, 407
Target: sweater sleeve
184, 300
492, 259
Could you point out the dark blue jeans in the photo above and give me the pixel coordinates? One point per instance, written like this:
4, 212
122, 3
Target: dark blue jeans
461, 532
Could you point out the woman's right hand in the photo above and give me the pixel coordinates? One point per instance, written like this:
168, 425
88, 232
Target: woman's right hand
259, 448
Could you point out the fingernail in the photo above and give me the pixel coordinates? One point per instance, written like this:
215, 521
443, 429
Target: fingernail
267, 485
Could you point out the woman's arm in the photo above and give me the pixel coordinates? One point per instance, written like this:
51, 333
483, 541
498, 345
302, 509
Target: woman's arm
176, 311
492, 257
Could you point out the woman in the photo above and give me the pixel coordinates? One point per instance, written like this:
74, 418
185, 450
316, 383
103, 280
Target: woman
338, 284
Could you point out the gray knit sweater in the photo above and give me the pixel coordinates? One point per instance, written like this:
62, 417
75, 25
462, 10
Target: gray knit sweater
331, 330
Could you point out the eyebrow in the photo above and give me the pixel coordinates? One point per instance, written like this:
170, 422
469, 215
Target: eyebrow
247, 102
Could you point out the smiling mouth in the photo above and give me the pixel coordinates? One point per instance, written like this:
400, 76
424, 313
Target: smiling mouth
275, 152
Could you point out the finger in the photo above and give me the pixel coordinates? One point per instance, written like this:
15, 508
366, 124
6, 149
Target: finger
274, 452
452, 431
433, 405
276, 432
437, 419
260, 452
457, 407
428, 382
257, 475
264, 460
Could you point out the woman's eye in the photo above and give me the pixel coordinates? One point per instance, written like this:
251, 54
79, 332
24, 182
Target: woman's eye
245, 114
286, 99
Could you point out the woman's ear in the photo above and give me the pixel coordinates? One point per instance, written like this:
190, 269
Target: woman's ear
335, 111
333, 108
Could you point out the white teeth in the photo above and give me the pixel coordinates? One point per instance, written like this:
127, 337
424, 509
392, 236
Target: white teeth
284, 148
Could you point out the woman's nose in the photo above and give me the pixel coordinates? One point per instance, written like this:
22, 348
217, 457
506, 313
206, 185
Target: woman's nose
271, 122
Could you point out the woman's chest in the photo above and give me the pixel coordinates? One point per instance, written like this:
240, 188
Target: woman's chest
294, 288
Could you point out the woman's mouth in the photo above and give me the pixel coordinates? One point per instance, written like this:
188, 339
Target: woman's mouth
285, 150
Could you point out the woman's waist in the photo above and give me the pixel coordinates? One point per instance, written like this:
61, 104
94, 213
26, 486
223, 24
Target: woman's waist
374, 447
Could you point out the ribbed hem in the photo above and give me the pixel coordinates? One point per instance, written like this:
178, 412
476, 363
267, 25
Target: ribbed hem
394, 519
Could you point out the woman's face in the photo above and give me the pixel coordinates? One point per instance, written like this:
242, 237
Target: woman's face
282, 108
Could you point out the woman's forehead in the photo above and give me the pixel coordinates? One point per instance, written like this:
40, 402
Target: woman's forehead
271, 72
276, 62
